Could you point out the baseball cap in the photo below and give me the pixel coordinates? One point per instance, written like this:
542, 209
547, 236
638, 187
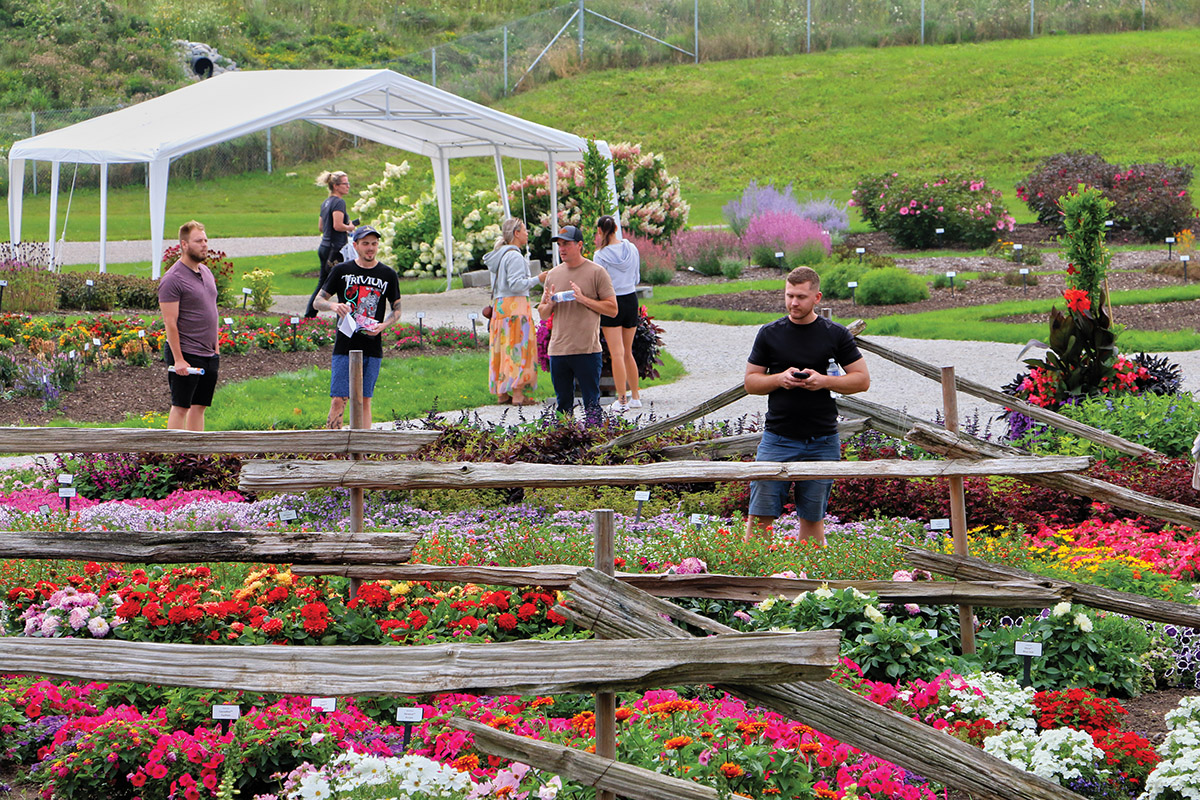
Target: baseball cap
365, 230
569, 233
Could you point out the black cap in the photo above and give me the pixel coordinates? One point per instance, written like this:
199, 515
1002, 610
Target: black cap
365, 230
569, 233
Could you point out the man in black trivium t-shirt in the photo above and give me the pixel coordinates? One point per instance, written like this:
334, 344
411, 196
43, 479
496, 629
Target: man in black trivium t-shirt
789, 363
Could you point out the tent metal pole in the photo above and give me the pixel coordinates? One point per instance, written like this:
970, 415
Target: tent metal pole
441, 186
503, 184
158, 172
552, 172
614, 200
104, 217
54, 167
16, 197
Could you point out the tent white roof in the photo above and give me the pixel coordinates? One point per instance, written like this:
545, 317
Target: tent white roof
379, 105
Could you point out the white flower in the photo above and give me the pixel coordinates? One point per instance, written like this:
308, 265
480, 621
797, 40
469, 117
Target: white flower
1084, 622
823, 593
872, 613
1062, 608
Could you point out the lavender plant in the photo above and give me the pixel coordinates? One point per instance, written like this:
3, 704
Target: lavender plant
757, 200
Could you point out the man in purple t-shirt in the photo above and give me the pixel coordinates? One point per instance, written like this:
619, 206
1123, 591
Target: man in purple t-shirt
187, 296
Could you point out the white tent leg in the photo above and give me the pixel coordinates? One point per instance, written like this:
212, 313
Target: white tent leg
104, 217
552, 171
503, 184
159, 173
441, 188
614, 199
16, 197
53, 209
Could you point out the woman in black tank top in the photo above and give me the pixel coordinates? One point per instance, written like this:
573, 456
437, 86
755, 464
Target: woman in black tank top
334, 225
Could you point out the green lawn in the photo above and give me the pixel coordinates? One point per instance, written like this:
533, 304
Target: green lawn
407, 389
818, 121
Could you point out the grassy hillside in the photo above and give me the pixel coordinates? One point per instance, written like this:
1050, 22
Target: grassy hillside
819, 121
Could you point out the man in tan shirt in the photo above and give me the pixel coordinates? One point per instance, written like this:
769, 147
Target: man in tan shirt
585, 292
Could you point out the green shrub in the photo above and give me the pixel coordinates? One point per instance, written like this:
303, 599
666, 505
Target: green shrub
912, 210
9, 372
890, 286
732, 268
942, 281
108, 292
764, 256
1166, 423
1014, 279
808, 255
657, 276
834, 279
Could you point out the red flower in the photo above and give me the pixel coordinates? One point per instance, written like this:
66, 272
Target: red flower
272, 626
1077, 300
506, 622
138, 779
526, 611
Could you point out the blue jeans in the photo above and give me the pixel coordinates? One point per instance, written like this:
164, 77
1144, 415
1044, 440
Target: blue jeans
339, 376
767, 497
584, 369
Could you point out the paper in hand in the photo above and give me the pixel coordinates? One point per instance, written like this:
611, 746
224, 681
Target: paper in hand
348, 325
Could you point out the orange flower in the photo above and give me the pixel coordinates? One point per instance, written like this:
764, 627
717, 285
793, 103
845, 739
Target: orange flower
1077, 299
808, 748
467, 763
624, 713
677, 742
731, 770
823, 792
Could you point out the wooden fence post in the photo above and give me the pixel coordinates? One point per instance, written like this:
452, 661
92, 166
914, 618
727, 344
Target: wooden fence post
958, 510
604, 555
356, 423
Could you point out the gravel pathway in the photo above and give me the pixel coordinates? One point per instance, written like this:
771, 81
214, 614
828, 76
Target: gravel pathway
124, 252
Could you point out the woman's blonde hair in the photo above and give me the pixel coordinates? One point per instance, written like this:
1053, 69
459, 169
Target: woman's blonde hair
508, 231
330, 179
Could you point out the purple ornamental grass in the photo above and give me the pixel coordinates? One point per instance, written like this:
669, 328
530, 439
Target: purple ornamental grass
757, 200
693, 247
827, 213
783, 231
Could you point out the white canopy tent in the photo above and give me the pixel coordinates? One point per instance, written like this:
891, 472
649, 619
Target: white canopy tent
379, 105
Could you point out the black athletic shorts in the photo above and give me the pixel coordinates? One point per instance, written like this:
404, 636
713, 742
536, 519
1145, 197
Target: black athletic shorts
192, 389
627, 313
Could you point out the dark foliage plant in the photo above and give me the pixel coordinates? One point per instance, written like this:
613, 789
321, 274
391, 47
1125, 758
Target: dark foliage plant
108, 292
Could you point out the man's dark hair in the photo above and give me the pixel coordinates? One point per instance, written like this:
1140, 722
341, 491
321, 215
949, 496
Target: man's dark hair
805, 275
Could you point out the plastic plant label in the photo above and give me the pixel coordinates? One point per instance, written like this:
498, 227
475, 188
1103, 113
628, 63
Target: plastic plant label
294, 321
1023, 271
939, 524
96, 342
642, 495
225, 711
89, 282
699, 519
1027, 648
779, 254
1170, 240
1018, 247
66, 478
860, 250
1185, 258
852, 285
287, 515
420, 315
66, 492
3, 283
326, 704
933, 632
939, 230
247, 291
472, 316
141, 334
414, 714
229, 320
951, 274
71, 354
44, 509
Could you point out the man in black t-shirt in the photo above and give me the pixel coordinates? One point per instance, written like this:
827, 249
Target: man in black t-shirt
789, 363
361, 288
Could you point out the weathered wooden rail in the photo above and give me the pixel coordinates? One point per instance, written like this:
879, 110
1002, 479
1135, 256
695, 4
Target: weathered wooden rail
1134, 605
525, 667
264, 476
615, 610
137, 440
1016, 593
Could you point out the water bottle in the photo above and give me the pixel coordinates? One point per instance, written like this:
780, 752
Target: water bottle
562, 297
833, 368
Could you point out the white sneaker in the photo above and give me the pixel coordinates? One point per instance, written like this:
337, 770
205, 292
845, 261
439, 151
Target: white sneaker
634, 403
618, 407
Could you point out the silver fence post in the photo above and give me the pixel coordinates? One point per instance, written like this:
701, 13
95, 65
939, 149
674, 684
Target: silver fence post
33, 132
433, 66
506, 59
922, 21
808, 29
1143, 16
696, 30
268, 151
1031, 17
581, 31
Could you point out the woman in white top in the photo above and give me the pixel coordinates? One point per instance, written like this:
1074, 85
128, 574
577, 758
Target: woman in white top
624, 264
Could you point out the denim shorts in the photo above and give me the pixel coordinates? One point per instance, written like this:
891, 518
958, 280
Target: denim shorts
339, 379
767, 497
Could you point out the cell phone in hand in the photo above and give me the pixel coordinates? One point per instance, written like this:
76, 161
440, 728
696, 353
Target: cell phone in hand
354, 222
798, 375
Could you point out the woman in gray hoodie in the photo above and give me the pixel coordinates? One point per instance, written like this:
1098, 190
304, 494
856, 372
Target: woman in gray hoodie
512, 368
624, 265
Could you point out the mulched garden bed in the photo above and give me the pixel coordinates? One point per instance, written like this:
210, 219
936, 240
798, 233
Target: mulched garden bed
109, 395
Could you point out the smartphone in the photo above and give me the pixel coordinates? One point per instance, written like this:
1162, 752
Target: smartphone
798, 375
354, 222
